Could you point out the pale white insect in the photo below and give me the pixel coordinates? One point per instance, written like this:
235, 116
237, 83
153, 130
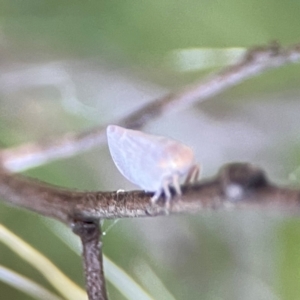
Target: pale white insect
152, 162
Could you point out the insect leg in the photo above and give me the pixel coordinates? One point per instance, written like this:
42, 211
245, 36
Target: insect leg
193, 174
156, 196
166, 189
176, 184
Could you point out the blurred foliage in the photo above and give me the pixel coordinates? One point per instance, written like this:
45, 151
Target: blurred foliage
217, 256
289, 260
142, 33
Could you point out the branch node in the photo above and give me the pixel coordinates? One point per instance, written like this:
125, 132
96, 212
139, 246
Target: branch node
85, 229
240, 179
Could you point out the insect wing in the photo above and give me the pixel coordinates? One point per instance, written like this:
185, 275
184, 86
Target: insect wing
136, 155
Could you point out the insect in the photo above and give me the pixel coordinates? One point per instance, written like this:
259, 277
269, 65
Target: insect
155, 163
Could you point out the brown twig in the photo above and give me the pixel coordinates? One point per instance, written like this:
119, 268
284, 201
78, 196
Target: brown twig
255, 62
236, 186
90, 233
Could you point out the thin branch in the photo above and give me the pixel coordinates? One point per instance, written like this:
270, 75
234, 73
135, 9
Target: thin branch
236, 186
89, 233
253, 63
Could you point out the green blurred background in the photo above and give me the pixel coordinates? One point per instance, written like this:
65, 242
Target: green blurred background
67, 66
